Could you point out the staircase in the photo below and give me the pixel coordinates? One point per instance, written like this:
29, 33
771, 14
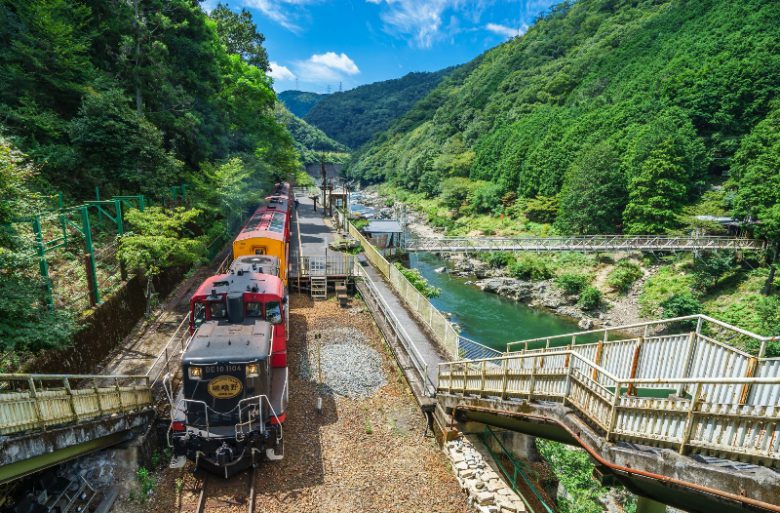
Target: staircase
319, 287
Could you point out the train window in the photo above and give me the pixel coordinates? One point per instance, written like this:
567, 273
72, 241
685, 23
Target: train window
259, 251
218, 310
199, 314
254, 310
273, 312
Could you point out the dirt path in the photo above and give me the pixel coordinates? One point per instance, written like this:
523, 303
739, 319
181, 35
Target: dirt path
359, 455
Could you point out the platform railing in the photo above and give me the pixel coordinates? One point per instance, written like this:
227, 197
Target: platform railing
620, 408
40, 401
592, 243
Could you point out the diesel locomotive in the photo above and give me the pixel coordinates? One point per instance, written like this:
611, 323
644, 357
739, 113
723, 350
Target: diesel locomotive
230, 412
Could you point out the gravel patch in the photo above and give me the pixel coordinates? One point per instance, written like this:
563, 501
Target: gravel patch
350, 368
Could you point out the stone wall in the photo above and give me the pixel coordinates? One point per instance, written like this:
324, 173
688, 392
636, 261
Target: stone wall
487, 491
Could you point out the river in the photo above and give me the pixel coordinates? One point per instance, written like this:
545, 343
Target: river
486, 318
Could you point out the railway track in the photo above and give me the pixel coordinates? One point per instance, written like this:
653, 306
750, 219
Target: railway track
219, 495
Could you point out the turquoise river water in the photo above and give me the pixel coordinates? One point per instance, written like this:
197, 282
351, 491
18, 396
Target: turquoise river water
486, 318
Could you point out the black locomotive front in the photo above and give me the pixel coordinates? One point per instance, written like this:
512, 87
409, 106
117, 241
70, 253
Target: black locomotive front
228, 416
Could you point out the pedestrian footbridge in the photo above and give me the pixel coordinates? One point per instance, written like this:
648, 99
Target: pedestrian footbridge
686, 411
589, 243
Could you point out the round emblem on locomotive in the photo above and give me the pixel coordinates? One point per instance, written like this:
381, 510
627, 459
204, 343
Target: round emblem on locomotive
224, 387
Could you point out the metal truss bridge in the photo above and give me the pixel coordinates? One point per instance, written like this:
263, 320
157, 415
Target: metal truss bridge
590, 243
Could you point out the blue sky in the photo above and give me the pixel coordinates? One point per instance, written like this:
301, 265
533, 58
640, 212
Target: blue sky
316, 44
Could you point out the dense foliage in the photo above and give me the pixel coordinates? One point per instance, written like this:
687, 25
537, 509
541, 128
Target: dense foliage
300, 102
623, 110
355, 116
134, 97
137, 94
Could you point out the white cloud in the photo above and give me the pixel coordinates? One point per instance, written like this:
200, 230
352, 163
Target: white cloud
503, 30
335, 61
279, 72
419, 20
328, 66
283, 12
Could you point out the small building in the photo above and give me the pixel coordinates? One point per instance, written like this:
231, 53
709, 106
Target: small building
385, 233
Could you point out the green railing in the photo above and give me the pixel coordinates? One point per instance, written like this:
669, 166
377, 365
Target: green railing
514, 470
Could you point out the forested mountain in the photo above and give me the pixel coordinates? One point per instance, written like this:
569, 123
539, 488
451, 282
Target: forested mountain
355, 116
311, 142
300, 102
611, 114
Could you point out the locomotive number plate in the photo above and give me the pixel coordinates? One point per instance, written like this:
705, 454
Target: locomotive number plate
224, 387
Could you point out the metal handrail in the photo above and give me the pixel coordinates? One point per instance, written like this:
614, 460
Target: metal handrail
419, 361
611, 329
619, 379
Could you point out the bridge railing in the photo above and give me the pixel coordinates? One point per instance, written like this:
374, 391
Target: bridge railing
622, 409
583, 243
441, 328
634, 351
40, 401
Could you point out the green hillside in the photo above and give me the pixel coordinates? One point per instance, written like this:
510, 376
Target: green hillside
311, 142
607, 116
300, 102
355, 116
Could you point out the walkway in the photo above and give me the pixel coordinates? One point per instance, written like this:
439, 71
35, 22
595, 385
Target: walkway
427, 352
593, 243
310, 229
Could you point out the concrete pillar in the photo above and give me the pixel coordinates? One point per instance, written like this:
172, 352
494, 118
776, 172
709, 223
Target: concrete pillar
645, 505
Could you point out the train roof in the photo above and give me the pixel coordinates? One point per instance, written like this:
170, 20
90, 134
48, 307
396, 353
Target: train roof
235, 282
263, 264
265, 222
276, 202
281, 188
219, 341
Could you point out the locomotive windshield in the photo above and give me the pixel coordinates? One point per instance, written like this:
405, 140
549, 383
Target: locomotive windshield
218, 310
254, 310
273, 312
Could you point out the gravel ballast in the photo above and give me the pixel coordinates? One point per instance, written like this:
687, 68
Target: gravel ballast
343, 362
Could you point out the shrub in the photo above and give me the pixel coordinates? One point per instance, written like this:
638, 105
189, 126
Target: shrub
680, 305
531, 267
418, 281
590, 298
485, 197
709, 270
498, 259
623, 276
542, 209
572, 283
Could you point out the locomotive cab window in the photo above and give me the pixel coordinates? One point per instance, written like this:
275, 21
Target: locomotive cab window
218, 310
260, 251
273, 312
254, 310
198, 314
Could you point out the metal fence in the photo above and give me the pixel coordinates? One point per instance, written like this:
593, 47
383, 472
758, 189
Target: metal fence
331, 265
697, 420
594, 243
441, 328
39, 401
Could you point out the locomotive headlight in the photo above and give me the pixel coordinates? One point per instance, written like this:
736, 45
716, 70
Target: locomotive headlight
252, 370
196, 372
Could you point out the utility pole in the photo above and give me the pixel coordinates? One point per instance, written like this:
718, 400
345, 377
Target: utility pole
328, 88
324, 175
